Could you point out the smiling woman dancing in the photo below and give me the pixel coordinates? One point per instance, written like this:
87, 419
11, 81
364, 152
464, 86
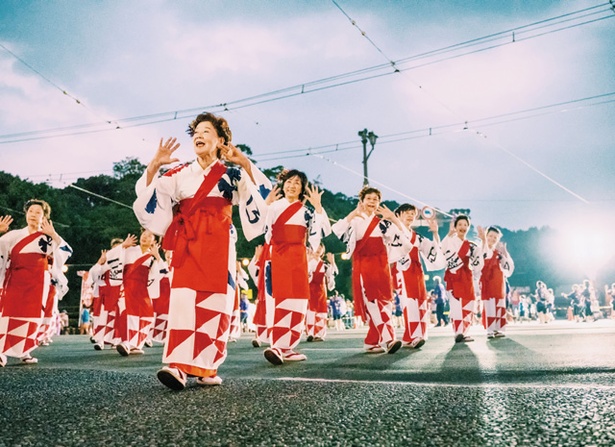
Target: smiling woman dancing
289, 225
374, 243
25, 273
191, 206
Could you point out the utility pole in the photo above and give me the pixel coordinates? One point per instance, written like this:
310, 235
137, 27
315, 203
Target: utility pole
371, 137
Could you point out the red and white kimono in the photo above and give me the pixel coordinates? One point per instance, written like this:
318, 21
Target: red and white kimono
241, 279
497, 267
160, 302
410, 283
107, 279
57, 289
373, 245
464, 258
142, 274
264, 300
322, 278
289, 227
202, 237
26, 284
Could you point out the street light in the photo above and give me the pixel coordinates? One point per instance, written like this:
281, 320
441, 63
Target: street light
365, 137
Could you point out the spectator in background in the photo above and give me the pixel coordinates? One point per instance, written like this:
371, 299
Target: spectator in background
243, 312
397, 311
574, 299
441, 300
541, 301
337, 304
609, 295
64, 322
84, 328
515, 298
589, 295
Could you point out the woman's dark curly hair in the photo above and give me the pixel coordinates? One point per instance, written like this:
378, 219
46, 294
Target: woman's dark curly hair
289, 173
220, 124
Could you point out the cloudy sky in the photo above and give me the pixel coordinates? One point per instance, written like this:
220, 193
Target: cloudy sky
506, 108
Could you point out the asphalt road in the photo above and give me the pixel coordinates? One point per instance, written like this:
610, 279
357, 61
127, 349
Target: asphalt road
543, 385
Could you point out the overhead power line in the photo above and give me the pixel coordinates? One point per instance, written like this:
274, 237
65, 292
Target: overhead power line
507, 37
478, 132
425, 132
458, 126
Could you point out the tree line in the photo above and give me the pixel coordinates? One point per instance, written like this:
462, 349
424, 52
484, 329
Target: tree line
89, 213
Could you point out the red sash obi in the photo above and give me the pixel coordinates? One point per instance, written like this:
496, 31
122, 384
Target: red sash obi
460, 283
109, 295
370, 273
260, 317
199, 238
24, 281
414, 277
136, 278
48, 310
492, 278
161, 304
318, 293
200, 249
289, 273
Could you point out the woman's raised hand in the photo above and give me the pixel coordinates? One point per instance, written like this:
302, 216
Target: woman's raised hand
130, 241
274, 194
5, 222
164, 154
314, 196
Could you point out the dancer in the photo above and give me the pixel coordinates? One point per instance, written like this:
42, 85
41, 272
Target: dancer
26, 279
241, 281
368, 239
160, 303
143, 270
322, 278
58, 288
289, 225
106, 276
410, 277
260, 271
498, 265
202, 237
463, 258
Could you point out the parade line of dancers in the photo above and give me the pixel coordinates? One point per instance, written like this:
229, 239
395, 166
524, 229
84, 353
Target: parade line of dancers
185, 292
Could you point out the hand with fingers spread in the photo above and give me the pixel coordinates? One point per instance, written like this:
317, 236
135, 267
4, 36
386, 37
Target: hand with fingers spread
433, 227
357, 212
432, 224
389, 215
5, 222
482, 235
385, 212
48, 229
230, 152
275, 194
154, 250
130, 241
163, 156
501, 247
314, 196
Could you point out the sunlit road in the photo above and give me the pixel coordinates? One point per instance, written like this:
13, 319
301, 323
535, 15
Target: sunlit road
542, 385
